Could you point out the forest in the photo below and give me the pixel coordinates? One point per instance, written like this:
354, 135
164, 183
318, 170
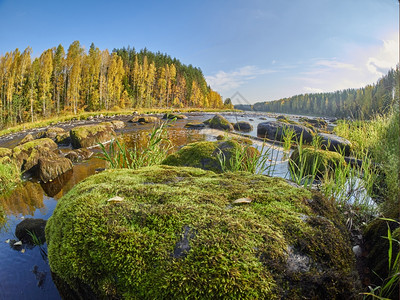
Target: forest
353, 103
59, 82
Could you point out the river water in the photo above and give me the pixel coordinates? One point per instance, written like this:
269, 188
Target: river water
25, 273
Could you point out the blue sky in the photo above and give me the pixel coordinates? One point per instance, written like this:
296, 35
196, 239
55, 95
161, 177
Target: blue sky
264, 49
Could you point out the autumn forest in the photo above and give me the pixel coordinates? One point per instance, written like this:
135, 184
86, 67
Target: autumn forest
74, 81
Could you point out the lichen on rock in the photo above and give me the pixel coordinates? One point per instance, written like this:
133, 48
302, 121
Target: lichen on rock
176, 236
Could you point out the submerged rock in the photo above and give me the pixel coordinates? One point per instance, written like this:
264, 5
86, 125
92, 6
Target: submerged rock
91, 135
196, 125
78, 155
174, 116
30, 227
173, 233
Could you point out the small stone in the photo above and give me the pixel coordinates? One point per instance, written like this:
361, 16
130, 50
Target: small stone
115, 199
357, 250
242, 201
19, 243
7, 241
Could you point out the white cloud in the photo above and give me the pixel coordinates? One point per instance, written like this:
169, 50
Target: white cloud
226, 81
385, 57
334, 64
308, 89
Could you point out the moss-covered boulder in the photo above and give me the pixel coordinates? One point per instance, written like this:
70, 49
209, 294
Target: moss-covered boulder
207, 155
27, 155
219, 122
166, 232
145, 119
336, 143
91, 135
195, 125
27, 138
322, 160
118, 124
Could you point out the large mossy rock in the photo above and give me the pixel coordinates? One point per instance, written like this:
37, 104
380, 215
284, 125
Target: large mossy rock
336, 143
219, 122
27, 155
91, 135
175, 233
309, 159
206, 155
274, 130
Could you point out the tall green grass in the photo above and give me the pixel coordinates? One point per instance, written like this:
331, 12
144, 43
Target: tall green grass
10, 176
154, 152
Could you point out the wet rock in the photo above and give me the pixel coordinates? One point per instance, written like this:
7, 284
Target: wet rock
219, 122
53, 166
78, 155
333, 142
274, 130
174, 116
90, 135
39, 275
195, 125
317, 123
243, 126
30, 226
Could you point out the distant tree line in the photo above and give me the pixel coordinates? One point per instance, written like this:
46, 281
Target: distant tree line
60, 82
355, 103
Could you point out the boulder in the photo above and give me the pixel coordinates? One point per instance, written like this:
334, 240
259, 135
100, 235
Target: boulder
174, 116
206, 155
78, 155
57, 134
26, 156
145, 119
52, 166
117, 124
336, 143
174, 233
219, 122
29, 227
317, 123
90, 135
57, 184
243, 126
274, 130
325, 161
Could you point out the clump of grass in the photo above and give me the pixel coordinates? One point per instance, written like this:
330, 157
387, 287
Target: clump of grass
155, 151
246, 158
389, 284
10, 176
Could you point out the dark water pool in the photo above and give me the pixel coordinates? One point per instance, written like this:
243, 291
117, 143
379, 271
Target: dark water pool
24, 272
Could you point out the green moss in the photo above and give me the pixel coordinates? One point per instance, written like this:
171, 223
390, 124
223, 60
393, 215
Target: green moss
89, 135
219, 122
5, 152
325, 160
130, 249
